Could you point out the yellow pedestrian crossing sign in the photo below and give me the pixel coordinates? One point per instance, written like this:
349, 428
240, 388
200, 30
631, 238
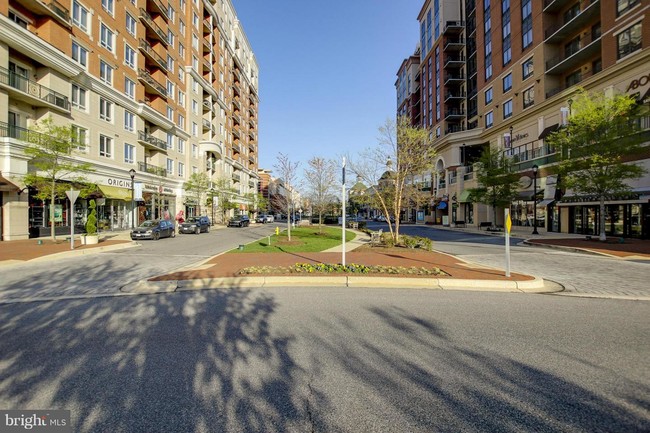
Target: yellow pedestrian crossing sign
508, 223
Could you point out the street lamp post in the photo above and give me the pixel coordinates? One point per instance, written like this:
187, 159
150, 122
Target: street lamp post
132, 174
535, 168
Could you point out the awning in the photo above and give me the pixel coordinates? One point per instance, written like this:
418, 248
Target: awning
549, 130
7, 185
545, 202
115, 192
465, 197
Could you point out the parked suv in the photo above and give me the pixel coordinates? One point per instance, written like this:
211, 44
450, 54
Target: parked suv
239, 221
195, 225
154, 229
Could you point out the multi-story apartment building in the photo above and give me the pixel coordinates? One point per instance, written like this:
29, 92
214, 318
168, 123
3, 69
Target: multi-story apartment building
502, 73
165, 89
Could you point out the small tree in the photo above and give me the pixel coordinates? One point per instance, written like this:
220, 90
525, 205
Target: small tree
597, 145
497, 184
320, 178
287, 170
91, 222
223, 192
404, 151
52, 151
196, 186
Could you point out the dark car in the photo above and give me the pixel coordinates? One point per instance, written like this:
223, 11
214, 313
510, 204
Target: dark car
239, 221
154, 229
195, 225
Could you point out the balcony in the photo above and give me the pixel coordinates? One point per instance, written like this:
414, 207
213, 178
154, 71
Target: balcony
207, 106
150, 83
209, 146
207, 26
252, 123
454, 79
251, 158
207, 46
586, 48
153, 30
156, 6
236, 104
454, 44
236, 148
236, 177
454, 27
559, 32
151, 142
252, 135
206, 125
455, 96
251, 146
454, 114
236, 119
526, 155
149, 54
454, 61
49, 8
29, 136
31, 92
145, 167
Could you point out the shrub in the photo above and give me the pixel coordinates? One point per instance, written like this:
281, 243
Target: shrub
409, 241
91, 222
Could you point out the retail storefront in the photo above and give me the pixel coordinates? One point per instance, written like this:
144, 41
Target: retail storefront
625, 218
158, 202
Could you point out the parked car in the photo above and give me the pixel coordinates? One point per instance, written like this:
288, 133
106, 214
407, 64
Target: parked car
270, 218
154, 229
239, 221
261, 219
195, 225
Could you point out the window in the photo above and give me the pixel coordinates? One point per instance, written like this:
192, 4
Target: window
195, 150
181, 98
623, 6
79, 137
195, 63
628, 41
105, 110
573, 79
170, 38
109, 6
182, 4
195, 106
195, 129
507, 82
171, 13
195, 20
181, 121
106, 37
18, 19
195, 41
78, 97
488, 96
129, 153
129, 121
130, 24
105, 146
529, 97
170, 166
181, 50
170, 113
129, 56
170, 63
526, 23
527, 68
181, 27
181, 145
507, 109
195, 86
181, 169
489, 119
79, 54
170, 89
170, 140
195, 169
80, 16
106, 72
129, 88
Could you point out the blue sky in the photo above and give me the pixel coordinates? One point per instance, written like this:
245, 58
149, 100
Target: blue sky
327, 71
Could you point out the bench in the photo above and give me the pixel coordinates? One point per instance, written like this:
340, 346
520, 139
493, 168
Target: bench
353, 225
375, 237
460, 223
486, 224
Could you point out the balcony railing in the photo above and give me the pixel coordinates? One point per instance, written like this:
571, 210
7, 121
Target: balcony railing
206, 124
33, 89
29, 136
145, 76
149, 139
160, 8
152, 169
454, 26
207, 105
146, 18
522, 156
236, 177
147, 49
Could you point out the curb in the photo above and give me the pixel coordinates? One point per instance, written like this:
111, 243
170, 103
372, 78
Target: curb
537, 285
74, 253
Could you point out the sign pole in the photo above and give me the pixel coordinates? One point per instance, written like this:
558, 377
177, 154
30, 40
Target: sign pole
343, 217
72, 196
508, 227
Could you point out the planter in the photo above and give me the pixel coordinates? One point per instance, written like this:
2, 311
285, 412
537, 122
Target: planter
82, 239
92, 239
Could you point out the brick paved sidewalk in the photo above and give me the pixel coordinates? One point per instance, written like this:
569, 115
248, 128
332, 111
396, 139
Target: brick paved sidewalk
24, 250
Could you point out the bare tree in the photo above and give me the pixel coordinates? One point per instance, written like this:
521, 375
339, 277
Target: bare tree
287, 170
321, 178
403, 151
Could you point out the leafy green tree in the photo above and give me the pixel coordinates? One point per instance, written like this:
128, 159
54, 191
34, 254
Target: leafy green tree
597, 145
91, 222
197, 186
52, 150
497, 184
404, 151
320, 177
223, 193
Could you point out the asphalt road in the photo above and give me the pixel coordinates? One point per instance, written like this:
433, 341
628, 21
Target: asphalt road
331, 360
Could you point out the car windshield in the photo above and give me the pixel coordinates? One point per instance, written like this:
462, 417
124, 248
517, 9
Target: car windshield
192, 220
149, 223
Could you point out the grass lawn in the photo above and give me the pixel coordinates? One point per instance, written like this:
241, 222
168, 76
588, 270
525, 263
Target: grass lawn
303, 240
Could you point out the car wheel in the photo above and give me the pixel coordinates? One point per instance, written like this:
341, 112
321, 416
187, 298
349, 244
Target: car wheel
173, 235
156, 236
197, 230
207, 229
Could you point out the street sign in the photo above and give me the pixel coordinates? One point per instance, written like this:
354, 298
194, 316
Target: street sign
72, 195
508, 223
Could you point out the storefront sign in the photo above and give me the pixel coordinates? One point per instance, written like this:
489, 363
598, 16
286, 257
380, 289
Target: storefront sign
635, 88
118, 182
516, 137
157, 188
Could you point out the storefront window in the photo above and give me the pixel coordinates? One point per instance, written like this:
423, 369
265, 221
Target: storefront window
635, 220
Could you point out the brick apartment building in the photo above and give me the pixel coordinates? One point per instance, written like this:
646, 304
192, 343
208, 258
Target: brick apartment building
502, 73
163, 88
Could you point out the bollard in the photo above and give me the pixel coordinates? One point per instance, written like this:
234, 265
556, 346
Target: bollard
277, 231
269, 240
241, 248
39, 242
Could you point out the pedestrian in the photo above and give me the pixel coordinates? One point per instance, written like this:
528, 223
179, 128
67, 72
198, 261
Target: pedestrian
180, 218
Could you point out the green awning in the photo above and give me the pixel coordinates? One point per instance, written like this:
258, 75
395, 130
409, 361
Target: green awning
115, 192
465, 197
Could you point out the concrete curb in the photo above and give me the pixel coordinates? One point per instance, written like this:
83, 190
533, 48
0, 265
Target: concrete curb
536, 285
74, 253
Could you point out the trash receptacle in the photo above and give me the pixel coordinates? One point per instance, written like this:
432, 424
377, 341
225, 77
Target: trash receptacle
241, 248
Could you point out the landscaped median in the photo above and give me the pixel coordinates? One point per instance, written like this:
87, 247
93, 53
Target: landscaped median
367, 266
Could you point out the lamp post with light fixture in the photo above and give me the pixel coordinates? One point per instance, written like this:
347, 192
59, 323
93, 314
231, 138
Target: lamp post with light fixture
535, 168
132, 174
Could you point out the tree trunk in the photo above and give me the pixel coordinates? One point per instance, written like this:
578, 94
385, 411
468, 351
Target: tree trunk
288, 221
52, 228
602, 237
320, 222
494, 216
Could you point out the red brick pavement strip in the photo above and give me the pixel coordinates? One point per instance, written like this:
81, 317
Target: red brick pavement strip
29, 249
611, 247
229, 265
